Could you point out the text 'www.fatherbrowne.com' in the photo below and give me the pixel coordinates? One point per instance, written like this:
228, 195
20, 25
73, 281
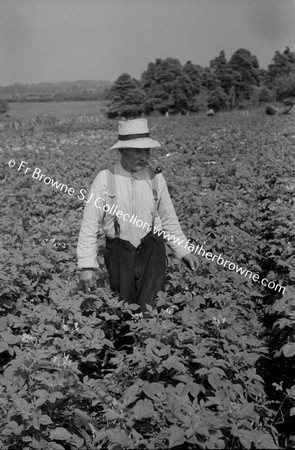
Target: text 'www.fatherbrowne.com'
100, 203
199, 249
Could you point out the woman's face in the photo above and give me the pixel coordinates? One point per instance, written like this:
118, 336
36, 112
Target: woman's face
135, 159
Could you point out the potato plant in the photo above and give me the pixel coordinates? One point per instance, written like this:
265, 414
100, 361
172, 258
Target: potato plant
212, 366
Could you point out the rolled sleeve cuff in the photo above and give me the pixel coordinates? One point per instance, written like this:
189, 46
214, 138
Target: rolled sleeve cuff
180, 252
86, 262
179, 249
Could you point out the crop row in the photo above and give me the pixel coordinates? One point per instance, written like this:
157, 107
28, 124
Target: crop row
212, 365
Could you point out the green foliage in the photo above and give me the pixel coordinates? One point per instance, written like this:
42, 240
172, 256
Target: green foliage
213, 365
218, 100
209, 80
167, 87
81, 90
270, 110
198, 102
224, 73
285, 87
245, 69
4, 107
265, 95
195, 74
126, 98
282, 65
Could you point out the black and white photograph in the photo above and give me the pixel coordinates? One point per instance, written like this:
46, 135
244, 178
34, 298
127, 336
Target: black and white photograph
147, 225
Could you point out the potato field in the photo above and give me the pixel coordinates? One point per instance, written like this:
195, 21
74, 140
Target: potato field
213, 366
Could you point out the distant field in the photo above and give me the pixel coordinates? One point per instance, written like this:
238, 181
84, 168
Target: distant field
59, 110
23, 111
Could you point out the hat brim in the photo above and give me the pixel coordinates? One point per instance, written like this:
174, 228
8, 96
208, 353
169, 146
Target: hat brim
137, 143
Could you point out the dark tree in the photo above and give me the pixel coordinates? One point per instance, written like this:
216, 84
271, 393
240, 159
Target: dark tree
282, 65
126, 98
4, 107
218, 100
167, 87
265, 95
209, 80
285, 91
245, 68
224, 72
195, 74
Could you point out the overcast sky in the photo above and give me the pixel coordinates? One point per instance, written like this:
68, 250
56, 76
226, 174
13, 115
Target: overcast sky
56, 40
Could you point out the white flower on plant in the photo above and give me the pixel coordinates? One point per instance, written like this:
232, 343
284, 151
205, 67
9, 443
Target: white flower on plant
66, 361
113, 302
62, 362
170, 310
137, 316
65, 327
217, 322
28, 339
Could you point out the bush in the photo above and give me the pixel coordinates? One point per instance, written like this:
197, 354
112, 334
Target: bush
4, 107
218, 100
270, 110
265, 96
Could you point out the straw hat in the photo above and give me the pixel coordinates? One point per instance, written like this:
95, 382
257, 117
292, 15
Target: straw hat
134, 134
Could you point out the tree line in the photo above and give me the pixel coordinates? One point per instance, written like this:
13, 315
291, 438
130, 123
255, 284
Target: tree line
168, 87
81, 90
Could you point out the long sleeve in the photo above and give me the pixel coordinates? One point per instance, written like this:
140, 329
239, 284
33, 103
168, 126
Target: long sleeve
91, 226
170, 223
135, 200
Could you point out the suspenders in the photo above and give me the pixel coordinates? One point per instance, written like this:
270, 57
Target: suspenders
112, 195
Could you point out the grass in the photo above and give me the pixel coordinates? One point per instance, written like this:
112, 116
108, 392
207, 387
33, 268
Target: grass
59, 110
26, 111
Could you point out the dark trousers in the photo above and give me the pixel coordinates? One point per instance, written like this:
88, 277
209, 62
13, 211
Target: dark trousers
137, 274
